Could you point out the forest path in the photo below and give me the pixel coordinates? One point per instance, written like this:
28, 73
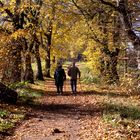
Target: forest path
61, 117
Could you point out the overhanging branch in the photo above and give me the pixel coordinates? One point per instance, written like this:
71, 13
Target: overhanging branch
109, 4
7, 11
84, 12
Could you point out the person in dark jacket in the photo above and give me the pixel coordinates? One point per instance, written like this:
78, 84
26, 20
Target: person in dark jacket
60, 77
74, 73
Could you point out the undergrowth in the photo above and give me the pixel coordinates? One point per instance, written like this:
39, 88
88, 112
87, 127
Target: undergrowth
10, 115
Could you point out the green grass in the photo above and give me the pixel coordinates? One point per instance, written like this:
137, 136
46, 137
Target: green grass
11, 115
130, 112
9, 119
27, 95
87, 75
4, 113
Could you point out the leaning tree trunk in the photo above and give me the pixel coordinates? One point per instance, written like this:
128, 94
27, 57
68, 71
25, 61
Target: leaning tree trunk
12, 68
39, 74
125, 18
28, 76
48, 64
48, 50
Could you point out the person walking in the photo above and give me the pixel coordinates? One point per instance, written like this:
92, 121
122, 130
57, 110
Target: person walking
74, 73
60, 77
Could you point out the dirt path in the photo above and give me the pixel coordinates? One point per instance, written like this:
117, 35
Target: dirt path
61, 117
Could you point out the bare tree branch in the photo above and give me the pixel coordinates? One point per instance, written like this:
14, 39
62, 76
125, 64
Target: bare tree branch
109, 4
126, 19
7, 11
84, 12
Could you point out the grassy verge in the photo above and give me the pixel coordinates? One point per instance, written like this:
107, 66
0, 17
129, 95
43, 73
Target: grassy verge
9, 118
11, 115
121, 116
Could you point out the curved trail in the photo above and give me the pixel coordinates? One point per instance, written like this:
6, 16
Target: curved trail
61, 117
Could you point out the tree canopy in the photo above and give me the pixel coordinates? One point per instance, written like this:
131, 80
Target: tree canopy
61, 29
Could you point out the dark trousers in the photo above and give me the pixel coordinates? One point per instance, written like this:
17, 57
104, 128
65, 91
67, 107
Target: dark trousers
59, 88
73, 85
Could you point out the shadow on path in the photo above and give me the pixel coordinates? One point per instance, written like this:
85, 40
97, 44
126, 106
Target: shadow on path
63, 111
80, 93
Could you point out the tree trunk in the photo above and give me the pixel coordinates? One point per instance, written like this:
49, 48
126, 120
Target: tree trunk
113, 68
39, 74
138, 59
48, 64
28, 76
123, 9
48, 50
110, 72
102, 66
104, 70
12, 69
114, 54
